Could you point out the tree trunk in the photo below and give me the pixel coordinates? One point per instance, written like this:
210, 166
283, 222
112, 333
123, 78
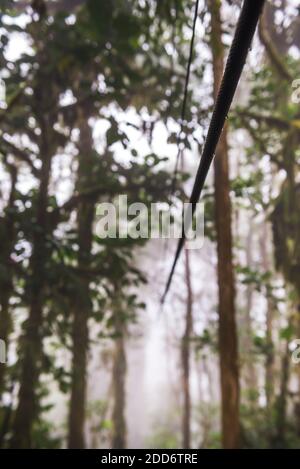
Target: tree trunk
297, 406
251, 380
228, 347
32, 341
269, 366
282, 400
185, 357
82, 303
6, 284
6, 289
119, 391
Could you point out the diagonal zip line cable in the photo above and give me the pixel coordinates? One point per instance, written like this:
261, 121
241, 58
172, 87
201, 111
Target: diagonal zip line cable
241, 44
185, 96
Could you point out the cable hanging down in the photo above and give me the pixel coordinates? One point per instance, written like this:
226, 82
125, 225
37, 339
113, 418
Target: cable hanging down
241, 44
185, 96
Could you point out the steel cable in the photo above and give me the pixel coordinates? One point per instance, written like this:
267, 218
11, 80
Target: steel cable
241, 44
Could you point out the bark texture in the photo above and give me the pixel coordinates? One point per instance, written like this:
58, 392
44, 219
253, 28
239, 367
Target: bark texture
81, 301
228, 347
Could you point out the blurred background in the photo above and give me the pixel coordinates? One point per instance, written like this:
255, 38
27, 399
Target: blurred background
91, 107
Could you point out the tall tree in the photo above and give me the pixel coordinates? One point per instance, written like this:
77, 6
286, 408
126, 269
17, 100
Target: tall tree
82, 297
119, 375
7, 240
228, 346
32, 340
186, 356
269, 376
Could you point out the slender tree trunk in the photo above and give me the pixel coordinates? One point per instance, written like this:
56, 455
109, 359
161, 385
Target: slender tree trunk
297, 406
119, 381
269, 366
6, 289
6, 284
206, 420
80, 337
282, 399
5, 325
251, 380
119, 374
82, 302
6, 419
228, 347
185, 357
32, 341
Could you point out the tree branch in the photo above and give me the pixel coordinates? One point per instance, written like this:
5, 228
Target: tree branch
274, 121
19, 154
271, 50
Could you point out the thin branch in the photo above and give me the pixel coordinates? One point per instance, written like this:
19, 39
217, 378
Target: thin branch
19, 154
274, 121
271, 50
